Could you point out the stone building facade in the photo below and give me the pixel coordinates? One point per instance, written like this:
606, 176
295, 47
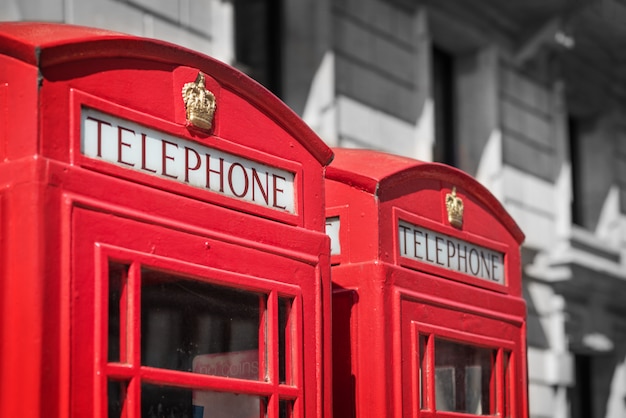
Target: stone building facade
528, 97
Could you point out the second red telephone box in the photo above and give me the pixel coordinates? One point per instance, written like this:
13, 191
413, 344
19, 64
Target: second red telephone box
429, 319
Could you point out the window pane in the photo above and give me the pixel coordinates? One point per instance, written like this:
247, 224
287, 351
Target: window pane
118, 274
463, 377
190, 325
258, 40
507, 385
116, 391
285, 340
422, 370
285, 409
171, 402
444, 102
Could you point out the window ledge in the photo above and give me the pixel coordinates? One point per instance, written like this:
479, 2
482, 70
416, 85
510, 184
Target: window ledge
584, 240
582, 249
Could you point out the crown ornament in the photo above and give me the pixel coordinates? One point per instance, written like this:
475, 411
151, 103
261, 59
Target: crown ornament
454, 205
199, 103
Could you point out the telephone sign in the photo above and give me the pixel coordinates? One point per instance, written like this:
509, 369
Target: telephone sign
145, 150
427, 246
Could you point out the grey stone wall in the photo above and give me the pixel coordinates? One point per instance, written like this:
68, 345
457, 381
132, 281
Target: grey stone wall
526, 121
185, 22
375, 51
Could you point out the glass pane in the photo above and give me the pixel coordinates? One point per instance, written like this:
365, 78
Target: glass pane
422, 370
285, 409
116, 391
171, 402
285, 340
463, 378
507, 385
118, 274
445, 389
190, 325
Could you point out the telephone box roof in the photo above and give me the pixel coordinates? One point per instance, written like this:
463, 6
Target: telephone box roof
390, 175
47, 44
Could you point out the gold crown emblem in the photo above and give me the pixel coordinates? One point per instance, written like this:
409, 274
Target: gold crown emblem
199, 103
454, 205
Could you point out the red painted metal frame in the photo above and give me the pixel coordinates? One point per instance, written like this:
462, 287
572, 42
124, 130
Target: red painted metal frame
53, 200
467, 324
103, 243
385, 298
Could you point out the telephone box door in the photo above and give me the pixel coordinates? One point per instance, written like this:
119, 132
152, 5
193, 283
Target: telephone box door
177, 327
458, 361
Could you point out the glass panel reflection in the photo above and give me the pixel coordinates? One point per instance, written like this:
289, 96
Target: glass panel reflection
463, 378
171, 402
190, 325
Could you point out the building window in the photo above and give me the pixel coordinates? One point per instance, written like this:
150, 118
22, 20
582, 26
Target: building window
573, 125
581, 394
258, 38
443, 86
594, 157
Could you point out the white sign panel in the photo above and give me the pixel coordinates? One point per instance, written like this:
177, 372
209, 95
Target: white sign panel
332, 230
136, 147
427, 246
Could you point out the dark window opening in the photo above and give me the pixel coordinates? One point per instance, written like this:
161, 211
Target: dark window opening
581, 394
443, 97
258, 34
576, 166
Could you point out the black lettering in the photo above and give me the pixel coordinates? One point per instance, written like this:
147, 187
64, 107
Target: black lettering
187, 166
416, 243
121, 144
245, 178
277, 191
99, 140
438, 249
485, 265
427, 250
474, 255
165, 157
209, 171
494, 265
403, 230
462, 257
256, 180
451, 252
143, 154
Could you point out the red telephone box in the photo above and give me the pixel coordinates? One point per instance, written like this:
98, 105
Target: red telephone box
155, 255
428, 315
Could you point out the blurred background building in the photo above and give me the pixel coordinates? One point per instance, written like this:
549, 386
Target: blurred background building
528, 96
